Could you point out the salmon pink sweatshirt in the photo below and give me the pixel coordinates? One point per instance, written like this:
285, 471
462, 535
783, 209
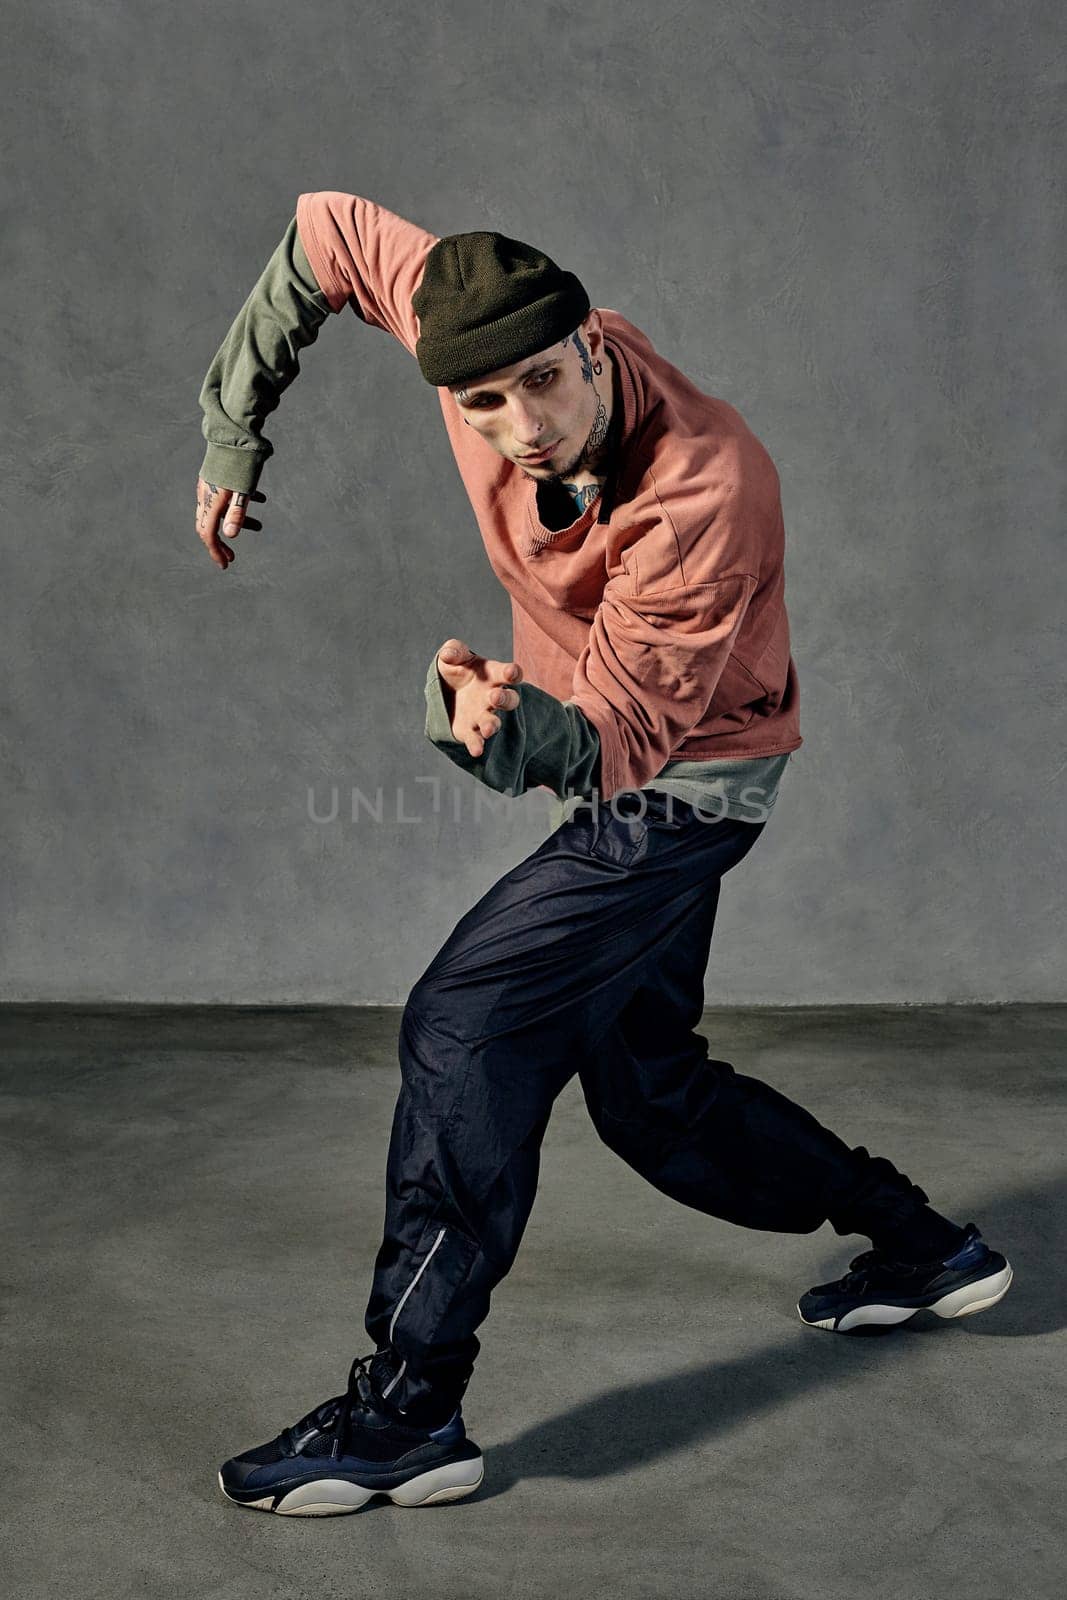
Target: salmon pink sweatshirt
655, 620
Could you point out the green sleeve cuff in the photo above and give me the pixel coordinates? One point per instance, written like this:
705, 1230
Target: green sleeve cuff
438, 726
233, 467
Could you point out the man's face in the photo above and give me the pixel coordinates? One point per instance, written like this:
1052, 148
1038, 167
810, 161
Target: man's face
551, 398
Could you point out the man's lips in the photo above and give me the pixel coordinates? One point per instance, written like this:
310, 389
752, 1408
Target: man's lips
541, 454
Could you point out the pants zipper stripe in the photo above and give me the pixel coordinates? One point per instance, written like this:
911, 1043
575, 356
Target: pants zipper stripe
400, 1306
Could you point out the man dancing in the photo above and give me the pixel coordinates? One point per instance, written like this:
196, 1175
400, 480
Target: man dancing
636, 524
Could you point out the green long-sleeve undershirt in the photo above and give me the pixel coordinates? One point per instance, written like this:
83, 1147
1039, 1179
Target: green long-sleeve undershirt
256, 363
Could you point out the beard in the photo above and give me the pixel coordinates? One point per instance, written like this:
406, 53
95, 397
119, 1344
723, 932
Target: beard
593, 457
558, 474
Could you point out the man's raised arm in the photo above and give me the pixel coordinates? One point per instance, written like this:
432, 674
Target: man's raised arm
339, 249
256, 362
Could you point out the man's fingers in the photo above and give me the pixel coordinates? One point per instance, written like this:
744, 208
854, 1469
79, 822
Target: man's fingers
235, 516
503, 671
456, 652
483, 681
220, 553
210, 503
237, 513
216, 504
457, 663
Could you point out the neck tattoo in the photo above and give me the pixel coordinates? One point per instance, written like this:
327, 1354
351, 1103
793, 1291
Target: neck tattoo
593, 451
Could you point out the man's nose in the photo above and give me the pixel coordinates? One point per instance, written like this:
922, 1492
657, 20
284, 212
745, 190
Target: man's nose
527, 426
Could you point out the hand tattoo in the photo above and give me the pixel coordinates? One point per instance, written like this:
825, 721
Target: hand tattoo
203, 502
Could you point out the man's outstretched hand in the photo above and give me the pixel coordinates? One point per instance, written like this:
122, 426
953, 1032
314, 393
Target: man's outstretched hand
212, 503
475, 689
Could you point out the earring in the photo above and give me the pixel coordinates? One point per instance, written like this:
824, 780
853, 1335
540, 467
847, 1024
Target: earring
598, 367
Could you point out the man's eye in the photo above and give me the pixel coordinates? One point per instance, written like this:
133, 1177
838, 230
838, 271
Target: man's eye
483, 403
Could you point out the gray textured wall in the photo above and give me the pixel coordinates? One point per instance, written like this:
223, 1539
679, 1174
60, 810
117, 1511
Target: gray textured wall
845, 219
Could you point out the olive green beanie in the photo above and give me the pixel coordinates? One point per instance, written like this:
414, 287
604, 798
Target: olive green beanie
486, 301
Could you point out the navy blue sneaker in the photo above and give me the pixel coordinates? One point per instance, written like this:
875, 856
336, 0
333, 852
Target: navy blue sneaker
877, 1289
349, 1449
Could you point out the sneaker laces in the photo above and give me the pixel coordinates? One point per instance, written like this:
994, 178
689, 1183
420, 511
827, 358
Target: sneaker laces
333, 1417
861, 1268
867, 1265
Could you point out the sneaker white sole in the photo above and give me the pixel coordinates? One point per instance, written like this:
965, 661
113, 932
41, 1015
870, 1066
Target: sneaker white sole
333, 1497
977, 1296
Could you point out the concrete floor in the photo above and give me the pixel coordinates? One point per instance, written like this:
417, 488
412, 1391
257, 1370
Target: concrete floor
192, 1200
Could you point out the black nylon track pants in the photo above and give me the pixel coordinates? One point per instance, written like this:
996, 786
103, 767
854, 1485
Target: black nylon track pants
589, 956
